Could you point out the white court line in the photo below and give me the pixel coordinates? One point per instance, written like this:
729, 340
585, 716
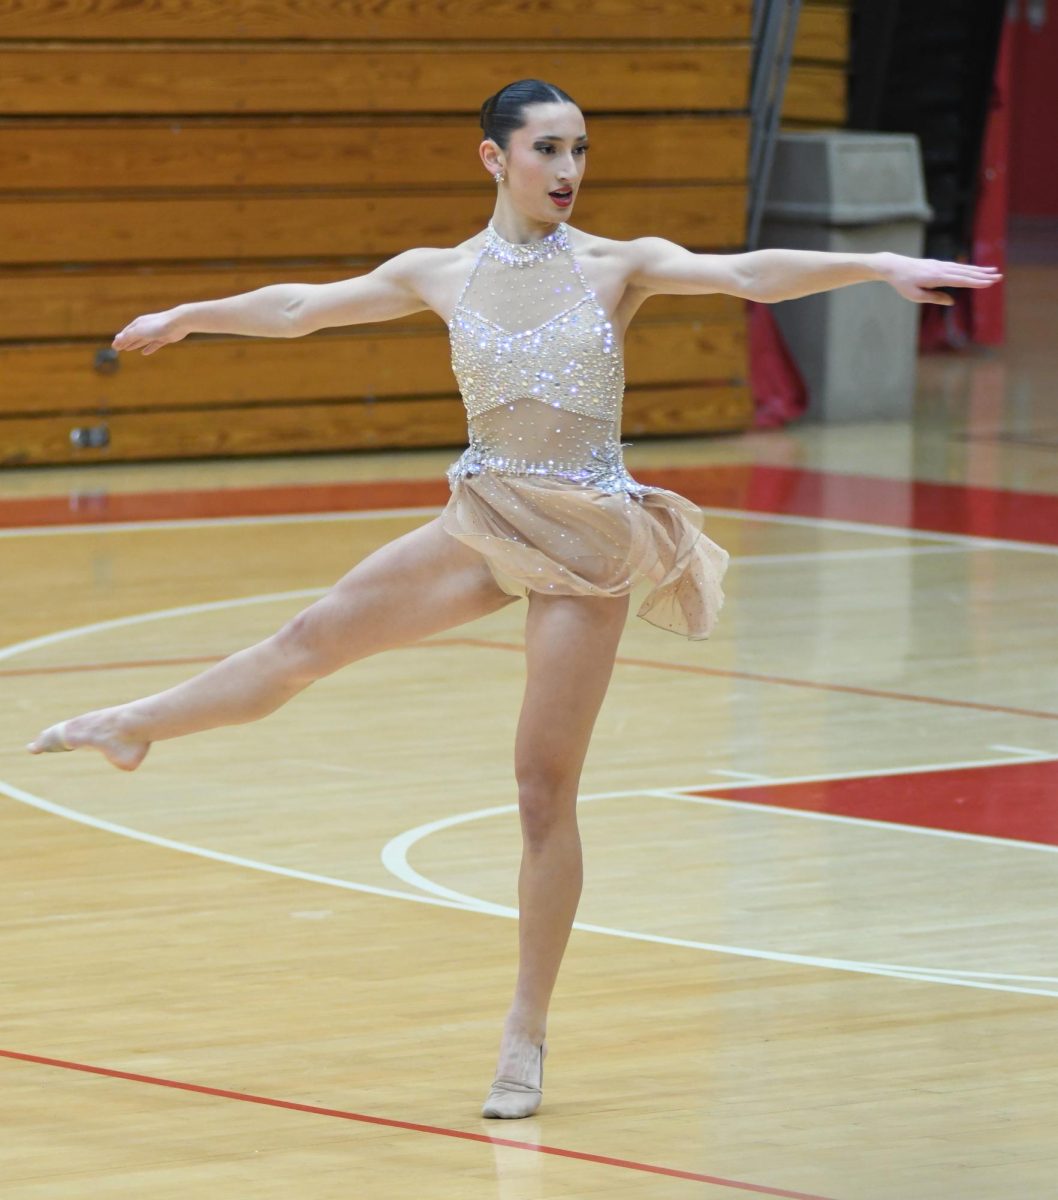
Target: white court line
748, 775
235, 860
1027, 751
394, 855
436, 894
971, 541
842, 555
878, 772
395, 859
183, 610
360, 514
960, 539
866, 822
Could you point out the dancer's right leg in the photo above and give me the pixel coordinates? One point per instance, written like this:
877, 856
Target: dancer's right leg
419, 584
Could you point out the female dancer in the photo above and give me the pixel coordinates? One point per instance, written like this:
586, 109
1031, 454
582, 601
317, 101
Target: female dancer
541, 505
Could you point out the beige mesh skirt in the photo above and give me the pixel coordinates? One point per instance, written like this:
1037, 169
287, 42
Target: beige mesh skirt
546, 535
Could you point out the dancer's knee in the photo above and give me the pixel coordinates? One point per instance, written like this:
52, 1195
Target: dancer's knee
547, 802
307, 653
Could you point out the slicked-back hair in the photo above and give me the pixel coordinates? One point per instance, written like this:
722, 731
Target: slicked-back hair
504, 112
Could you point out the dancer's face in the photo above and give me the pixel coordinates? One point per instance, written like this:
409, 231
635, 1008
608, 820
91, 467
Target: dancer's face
544, 161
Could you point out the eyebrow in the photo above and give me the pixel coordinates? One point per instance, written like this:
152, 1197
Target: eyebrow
554, 137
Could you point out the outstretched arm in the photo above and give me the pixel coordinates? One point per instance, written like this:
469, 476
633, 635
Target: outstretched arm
660, 266
287, 309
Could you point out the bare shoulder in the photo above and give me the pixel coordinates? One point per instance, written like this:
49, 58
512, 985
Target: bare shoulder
434, 274
603, 249
431, 260
624, 258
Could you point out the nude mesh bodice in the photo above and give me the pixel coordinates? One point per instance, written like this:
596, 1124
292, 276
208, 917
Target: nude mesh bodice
538, 365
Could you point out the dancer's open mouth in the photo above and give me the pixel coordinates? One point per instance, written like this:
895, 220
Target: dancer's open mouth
563, 197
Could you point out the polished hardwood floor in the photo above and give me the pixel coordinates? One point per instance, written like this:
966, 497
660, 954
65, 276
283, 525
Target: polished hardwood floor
816, 952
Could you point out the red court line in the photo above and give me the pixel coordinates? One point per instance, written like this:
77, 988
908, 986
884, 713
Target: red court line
694, 669
101, 508
1008, 800
751, 487
656, 664
113, 666
439, 1130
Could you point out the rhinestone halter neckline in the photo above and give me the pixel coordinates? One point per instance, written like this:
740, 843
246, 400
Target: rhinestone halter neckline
525, 254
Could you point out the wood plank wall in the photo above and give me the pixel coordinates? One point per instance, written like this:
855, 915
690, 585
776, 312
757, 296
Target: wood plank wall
154, 153
817, 89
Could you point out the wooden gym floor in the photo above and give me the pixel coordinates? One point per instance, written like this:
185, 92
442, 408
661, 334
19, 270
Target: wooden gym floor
816, 952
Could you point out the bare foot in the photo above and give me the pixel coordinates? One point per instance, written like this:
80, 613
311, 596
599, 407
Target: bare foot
108, 731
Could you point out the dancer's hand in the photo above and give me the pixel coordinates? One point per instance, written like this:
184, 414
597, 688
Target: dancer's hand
916, 278
151, 332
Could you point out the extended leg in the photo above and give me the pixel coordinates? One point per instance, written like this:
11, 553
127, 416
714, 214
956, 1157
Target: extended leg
417, 585
571, 643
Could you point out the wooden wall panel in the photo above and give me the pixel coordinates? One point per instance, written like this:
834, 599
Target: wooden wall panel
693, 409
375, 362
441, 421
272, 429
253, 225
154, 153
378, 19
823, 33
347, 151
816, 93
303, 78
95, 303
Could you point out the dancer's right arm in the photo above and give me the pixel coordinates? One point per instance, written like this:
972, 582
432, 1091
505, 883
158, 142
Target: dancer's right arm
289, 309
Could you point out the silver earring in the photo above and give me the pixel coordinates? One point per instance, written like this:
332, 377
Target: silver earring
500, 176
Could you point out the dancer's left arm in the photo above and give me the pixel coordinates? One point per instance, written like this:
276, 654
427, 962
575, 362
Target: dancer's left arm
658, 266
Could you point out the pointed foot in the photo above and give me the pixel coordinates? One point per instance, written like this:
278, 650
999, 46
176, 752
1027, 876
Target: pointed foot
102, 731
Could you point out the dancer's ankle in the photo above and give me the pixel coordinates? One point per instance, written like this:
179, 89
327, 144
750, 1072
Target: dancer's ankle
521, 1024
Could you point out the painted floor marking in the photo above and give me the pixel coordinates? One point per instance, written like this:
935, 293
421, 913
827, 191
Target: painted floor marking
968, 540
781, 680
365, 514
61, 635
162, 614
412, 1127
234, 860
845, 555
743, 775
394, 856
867, 822
1024, 751
395, 859
976, 541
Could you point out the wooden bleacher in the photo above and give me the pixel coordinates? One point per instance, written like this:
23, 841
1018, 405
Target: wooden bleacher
151, 155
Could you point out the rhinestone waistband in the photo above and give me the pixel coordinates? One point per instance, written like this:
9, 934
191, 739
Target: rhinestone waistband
607, 473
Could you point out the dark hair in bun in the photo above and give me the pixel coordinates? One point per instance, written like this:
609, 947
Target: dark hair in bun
502, 113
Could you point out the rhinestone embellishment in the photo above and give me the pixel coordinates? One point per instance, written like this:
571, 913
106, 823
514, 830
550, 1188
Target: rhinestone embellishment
525, 254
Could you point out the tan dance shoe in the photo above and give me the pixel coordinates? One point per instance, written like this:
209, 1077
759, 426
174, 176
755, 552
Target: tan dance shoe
510, 1099
51, 741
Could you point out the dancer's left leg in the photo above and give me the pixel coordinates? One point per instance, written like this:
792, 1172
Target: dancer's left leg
571, 644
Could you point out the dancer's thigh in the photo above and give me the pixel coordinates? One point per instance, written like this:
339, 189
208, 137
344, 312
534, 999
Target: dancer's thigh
420, 583
570, 646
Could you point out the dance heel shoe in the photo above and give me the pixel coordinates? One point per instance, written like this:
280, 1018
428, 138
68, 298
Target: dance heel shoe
509, 1099
52, 740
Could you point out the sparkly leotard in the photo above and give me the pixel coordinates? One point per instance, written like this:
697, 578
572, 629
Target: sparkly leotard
542, 491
